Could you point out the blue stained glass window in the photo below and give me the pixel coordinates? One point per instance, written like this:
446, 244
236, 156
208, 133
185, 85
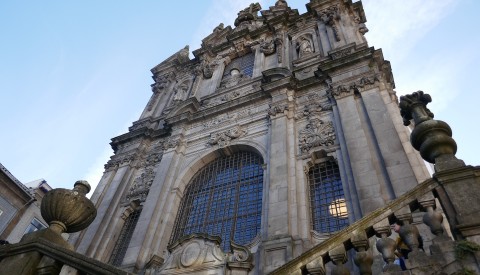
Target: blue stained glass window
327, 200
224, 199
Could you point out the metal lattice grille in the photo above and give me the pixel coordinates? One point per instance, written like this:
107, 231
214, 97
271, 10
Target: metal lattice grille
123, 241
224, 199
327, 200
243, 64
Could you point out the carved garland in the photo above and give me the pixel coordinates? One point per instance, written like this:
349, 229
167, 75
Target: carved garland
316, 133
343, 90
222, 139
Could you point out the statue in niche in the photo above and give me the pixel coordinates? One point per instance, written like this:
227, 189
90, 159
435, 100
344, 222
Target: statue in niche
304, 47
181, 92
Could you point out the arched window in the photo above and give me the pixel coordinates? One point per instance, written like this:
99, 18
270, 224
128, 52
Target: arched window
327, 200
224, 199
123, 240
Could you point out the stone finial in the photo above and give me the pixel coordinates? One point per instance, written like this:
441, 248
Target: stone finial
433, 138
68, 210
414, 107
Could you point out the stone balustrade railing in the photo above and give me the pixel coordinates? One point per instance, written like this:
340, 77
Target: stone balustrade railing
376, 228
53, 259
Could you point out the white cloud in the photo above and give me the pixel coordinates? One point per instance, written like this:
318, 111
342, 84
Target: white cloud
397, 26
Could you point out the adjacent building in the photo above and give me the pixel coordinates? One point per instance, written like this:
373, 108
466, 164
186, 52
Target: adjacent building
20, 206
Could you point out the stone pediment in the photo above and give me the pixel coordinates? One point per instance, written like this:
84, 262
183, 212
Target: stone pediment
183, 109
178, 58
196, 254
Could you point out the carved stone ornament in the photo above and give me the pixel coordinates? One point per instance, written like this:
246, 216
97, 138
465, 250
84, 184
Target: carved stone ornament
161, 81
360, 85
276, 109
304, 46
223, 138
247, 15
119, 160
141, 186
233, 80
316, 133
152, 100
314, 109
329, 17
342, 53
195, 253
181, 91
171, 143
226, 117
267, 47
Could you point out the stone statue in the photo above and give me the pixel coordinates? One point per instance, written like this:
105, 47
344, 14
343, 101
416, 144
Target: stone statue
304, 47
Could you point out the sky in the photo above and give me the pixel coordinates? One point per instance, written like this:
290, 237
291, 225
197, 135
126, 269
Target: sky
74, 74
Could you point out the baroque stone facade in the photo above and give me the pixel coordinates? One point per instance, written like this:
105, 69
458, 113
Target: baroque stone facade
295, 90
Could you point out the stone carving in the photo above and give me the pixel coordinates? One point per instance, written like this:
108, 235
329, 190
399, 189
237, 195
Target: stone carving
343, 90
267, 47
154, 157
161, 81
341, 53
181, 92
279, 47
314, 109
304, 46
119, 161
316, 133
170, 143
240, 253
362, 28
329, 17
247, 15
415, 106
141, 186
274, 110
281, 3
223, 138
196, 252
226, 117
233, 80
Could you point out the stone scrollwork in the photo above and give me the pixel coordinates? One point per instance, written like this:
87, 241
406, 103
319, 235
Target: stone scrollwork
171, 143
223, 138
119, 161
240, 253
329, 17
277, 109
141, 186
316, 133
267, 47
362, 84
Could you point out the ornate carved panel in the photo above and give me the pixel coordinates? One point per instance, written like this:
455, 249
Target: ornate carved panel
317, 133
223, 138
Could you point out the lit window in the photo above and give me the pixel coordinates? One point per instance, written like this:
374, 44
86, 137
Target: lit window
34, 226
327, 200
224, 199
121, 246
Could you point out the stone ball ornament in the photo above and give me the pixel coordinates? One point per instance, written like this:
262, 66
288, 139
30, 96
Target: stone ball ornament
68, 210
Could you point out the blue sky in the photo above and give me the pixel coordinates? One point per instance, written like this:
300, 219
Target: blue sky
74, 74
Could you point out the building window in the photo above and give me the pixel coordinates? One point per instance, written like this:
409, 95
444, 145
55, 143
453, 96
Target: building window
327, 200
224, 199
241, 65
121, 246
34, 225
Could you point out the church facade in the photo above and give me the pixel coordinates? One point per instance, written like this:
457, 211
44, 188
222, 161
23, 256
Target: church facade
281, 131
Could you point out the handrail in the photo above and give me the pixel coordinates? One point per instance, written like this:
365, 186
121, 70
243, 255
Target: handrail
366, 224
63, 255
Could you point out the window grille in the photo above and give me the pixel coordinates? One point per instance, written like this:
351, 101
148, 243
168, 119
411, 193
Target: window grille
224, 199
243, 64
121, 246
327, 200
34, 225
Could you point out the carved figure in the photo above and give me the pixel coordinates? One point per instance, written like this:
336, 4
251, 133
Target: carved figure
304, 47
181, 92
